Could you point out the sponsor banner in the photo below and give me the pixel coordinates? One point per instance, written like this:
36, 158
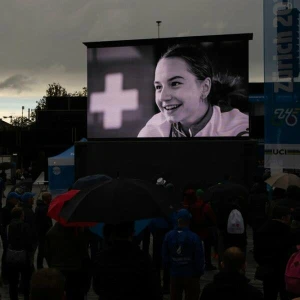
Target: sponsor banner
281, 87
282, 122
282, 156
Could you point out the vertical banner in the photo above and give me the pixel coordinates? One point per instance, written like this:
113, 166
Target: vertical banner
282, 91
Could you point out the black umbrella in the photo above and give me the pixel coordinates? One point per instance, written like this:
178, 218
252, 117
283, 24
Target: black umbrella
118, 200
7, 165
219, 194
88, 181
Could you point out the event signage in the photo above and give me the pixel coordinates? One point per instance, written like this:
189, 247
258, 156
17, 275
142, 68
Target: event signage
282, 91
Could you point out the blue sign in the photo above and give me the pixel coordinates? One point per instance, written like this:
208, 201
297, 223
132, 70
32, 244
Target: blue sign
282, 87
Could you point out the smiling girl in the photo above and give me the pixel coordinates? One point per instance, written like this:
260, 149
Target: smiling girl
192, 101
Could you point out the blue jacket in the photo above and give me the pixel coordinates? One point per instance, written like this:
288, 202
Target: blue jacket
183, 253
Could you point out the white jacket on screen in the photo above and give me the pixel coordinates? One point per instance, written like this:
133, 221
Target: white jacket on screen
229, 123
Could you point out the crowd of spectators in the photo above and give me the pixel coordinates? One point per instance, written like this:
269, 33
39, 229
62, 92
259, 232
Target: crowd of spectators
121, 265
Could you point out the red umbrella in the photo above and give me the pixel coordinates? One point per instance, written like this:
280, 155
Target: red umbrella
57, 204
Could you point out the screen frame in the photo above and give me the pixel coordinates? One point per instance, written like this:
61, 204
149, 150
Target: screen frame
205, 38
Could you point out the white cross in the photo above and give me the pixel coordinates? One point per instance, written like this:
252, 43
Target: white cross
113, 101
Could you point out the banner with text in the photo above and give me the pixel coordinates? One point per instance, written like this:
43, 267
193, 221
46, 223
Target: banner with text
282, 88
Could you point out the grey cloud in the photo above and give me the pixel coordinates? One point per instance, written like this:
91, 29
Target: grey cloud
45, 33
17, 82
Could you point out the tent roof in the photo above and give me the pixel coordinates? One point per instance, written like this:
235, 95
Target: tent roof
64, 158
67, 153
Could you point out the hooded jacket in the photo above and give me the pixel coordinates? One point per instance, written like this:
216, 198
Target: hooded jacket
230, 285
6, 214
29, 218
19, 235
183, 253
43, 222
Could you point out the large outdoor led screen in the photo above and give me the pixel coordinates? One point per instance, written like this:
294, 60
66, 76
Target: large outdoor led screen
169, 88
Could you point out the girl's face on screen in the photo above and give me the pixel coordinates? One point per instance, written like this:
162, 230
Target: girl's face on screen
178, 92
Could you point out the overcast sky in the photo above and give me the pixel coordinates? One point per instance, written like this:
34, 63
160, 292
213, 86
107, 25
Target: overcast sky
41, 40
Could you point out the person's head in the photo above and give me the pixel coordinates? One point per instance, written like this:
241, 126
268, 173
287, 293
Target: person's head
121, 231
234, 260
200, 194
183, 78
47, 284
28, 198
278, 193
170, 187
20, 191
161, 181
282, 213
183, 218
293, 192
124, 230
108, 231
46, 197
17, 213
13, 198
190, 197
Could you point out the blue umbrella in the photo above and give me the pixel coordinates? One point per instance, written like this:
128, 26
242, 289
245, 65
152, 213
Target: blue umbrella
139, 226
85, 182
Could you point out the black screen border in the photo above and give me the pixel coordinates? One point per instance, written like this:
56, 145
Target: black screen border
204, 38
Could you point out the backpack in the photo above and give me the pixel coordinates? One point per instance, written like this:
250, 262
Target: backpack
235, 222
292, 273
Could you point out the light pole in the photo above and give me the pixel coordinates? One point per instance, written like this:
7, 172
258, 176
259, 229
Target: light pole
158, 24
22, 116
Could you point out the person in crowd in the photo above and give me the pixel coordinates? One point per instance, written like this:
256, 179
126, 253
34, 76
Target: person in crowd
43, 224
19, 240
159, 228
258, 200
123, 270
6, 217
293, 283
47, 284
183, 254
66, 249
202, 223
3, 176
231, 195
295, 226
193, 101
27, 202
278, 195
272, 247
2, 189
231, 282
292, 197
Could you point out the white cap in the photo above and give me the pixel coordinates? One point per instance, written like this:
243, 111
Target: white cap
160, 181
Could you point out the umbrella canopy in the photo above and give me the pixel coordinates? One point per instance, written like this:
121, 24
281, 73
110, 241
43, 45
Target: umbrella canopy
88, 181
118, 200
218, 195
7, 165
283, 180
56, 206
